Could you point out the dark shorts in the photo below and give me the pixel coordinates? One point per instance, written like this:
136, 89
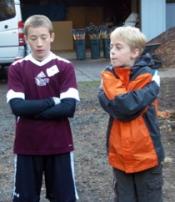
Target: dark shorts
57, 172
143, 186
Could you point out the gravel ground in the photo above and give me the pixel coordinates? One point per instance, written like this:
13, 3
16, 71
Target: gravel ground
93, 175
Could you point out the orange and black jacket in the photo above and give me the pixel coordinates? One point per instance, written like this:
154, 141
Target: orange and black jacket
129, 95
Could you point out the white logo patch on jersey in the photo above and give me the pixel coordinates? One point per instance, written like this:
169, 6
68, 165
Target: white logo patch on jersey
41, 75
52, 70
41, 79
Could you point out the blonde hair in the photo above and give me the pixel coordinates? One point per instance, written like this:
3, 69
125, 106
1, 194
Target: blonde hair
38, 21
131, 36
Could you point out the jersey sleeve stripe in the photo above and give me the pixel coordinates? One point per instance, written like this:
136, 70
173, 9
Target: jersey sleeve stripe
12, 94
70, 93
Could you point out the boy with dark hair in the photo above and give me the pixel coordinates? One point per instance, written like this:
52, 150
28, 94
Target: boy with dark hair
42, 93
129, 89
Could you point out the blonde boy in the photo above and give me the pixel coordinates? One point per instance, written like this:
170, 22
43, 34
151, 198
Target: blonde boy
42, 93
129, 89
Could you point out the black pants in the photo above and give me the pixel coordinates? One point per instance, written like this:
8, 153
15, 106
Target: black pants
58, 174
143, 186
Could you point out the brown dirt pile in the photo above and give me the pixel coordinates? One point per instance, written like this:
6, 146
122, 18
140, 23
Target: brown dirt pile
166, 49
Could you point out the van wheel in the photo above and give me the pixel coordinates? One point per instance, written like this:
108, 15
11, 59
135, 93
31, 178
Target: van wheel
4, 72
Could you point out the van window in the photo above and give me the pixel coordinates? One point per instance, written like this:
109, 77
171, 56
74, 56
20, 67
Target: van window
7, 8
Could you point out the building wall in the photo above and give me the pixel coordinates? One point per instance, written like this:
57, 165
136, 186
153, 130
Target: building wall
170, 15
153, 17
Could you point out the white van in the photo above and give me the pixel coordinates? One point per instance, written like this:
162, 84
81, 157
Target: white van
12, 44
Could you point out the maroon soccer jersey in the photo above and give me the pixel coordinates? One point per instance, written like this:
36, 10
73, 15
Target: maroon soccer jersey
33, 80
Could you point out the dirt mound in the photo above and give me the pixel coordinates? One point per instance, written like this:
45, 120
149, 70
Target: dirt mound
166, 49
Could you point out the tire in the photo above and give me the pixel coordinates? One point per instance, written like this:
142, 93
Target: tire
4, 72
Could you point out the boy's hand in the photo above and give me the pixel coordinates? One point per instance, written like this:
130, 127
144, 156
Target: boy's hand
156, 78
101, 84
56, 100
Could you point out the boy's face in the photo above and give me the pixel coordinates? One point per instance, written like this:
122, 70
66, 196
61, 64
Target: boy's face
121, 54
39, 40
